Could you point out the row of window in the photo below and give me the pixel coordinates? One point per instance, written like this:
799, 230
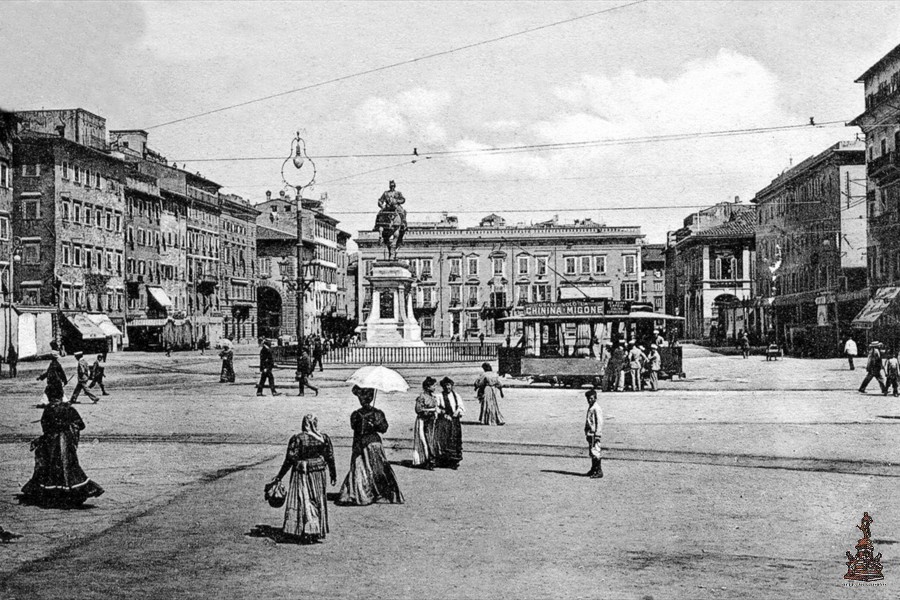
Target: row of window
77, 255
74, 297
75, 173
79, 212
574, 265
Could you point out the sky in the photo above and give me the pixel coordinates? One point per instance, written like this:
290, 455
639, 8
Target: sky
650, 69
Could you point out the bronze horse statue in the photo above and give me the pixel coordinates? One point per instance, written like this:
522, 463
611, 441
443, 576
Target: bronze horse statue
390, 226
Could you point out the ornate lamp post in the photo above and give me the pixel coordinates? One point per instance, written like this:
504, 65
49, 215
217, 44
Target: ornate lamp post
302, 169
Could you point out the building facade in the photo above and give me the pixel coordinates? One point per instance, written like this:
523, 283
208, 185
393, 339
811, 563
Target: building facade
811, 251
712, 270
280, 274
653, 276
880, 122
237, 233
467, 279
69, 213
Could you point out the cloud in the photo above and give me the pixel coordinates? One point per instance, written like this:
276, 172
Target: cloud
725, 91
412, 115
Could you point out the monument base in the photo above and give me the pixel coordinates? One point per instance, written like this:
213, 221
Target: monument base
391, 322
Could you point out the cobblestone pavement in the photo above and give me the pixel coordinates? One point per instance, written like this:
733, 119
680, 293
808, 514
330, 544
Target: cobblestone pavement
717, 481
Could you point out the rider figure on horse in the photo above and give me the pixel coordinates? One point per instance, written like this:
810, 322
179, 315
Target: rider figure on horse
391, 202
391, 208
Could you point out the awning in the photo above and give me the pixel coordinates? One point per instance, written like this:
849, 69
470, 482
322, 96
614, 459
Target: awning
159, 296
104, 323
86, 327
876, 307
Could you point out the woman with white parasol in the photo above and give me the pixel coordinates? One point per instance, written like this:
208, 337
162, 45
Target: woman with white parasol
371, 478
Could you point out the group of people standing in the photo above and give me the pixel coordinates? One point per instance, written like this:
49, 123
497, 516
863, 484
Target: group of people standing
437, 442
630, 367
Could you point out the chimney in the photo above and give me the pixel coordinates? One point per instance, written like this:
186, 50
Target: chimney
268, 195
737, 199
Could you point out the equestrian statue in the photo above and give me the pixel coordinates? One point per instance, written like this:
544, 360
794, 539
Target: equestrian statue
391, 220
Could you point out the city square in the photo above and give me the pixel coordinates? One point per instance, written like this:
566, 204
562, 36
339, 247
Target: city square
716, 486
463, 299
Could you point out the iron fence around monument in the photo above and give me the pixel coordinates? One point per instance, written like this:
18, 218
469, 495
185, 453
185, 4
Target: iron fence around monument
431, 352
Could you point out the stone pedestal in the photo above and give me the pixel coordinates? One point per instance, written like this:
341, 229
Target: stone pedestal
391, 321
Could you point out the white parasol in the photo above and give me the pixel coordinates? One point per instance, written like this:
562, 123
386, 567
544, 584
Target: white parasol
379, 378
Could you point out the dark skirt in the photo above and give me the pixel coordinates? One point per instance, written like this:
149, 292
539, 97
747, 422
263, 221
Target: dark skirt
306, 511
227, 374
370, 479
58, 478
447, 441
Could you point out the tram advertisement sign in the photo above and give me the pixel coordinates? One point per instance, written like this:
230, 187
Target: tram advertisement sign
576, 309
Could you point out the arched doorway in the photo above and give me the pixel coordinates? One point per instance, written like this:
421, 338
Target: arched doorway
726, 320
269, 312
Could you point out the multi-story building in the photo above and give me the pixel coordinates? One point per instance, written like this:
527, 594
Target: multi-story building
811, 251
467, 279
341, 321
68, 211
881, 124
712, 260
203, 257
155, 244
8, 132
237, 233
276, 248
653, 276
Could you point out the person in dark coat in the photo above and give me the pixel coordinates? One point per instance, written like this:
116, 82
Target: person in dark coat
13, 357
55, 377
317, 353
304, 369
98, 371
58, 478
874, 369
266, 365
84, 379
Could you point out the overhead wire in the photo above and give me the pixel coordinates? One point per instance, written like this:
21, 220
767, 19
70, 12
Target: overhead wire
542, 147
396, 64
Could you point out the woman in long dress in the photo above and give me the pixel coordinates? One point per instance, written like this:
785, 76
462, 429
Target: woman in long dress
447, 427
227, 356
309, 453
370, 478
423, 430
488, 387
58, 478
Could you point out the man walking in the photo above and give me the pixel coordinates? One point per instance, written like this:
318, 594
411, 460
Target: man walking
84, 379
874, 368
266, 364
98, 370
593, 424
850, 351
304, 369
892, 368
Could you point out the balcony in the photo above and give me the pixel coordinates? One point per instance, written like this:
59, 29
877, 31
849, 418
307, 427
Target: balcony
884, 169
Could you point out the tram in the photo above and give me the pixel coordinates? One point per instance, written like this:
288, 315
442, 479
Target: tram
564, 343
